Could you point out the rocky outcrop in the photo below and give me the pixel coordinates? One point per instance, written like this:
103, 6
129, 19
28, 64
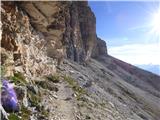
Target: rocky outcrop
100, 48
55, 30
49, 19
22, 48
69, 28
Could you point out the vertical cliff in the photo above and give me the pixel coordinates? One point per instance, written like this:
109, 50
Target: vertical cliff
69, 28
35, 33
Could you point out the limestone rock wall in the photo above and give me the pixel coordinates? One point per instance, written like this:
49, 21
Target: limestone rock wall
69, 27
37, 34
100, 48
22, 48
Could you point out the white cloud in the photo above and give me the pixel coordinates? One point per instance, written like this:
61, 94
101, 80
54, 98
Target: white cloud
137, 53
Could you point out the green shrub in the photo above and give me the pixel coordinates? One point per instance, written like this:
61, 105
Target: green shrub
35, 99
75, 87
13, 116
18, 78
54, 78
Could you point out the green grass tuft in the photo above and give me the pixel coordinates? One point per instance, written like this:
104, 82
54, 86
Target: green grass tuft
13, 116
2, 71
79, 91
54, 78
35, 99
18, 78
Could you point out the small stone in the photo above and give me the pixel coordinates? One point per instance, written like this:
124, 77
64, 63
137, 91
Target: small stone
112, 105
68, 98
55, 96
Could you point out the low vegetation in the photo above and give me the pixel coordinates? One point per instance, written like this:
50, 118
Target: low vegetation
34, 98
2, 71
54, 78
13, 116
25, 113
79, 91
18, 78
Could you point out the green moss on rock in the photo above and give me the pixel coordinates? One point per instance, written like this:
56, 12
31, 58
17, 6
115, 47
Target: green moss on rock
13, 116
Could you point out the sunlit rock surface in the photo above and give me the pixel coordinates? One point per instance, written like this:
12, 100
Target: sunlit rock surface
69, 27
22, 48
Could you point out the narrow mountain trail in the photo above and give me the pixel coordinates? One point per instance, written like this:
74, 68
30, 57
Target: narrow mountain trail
61, 104
65, 106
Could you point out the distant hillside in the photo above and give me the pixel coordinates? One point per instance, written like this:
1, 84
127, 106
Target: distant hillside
152, 68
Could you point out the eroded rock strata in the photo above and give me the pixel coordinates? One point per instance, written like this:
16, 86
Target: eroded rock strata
69, 27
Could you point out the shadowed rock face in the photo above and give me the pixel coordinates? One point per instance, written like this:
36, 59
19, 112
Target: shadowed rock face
99, 49
69, 26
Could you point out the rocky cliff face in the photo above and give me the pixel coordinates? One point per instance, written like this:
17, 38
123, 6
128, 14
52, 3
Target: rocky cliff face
69, 28
22, 48
100, 48
55, 30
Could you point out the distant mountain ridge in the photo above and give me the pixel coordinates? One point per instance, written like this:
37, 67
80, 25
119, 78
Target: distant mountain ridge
150, 67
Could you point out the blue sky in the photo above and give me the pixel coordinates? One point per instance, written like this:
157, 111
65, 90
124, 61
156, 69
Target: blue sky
129, 31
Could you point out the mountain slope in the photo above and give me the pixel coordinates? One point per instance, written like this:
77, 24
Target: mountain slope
131, 96
152, 68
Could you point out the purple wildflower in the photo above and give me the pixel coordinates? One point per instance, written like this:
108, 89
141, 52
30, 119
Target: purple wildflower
8, 97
